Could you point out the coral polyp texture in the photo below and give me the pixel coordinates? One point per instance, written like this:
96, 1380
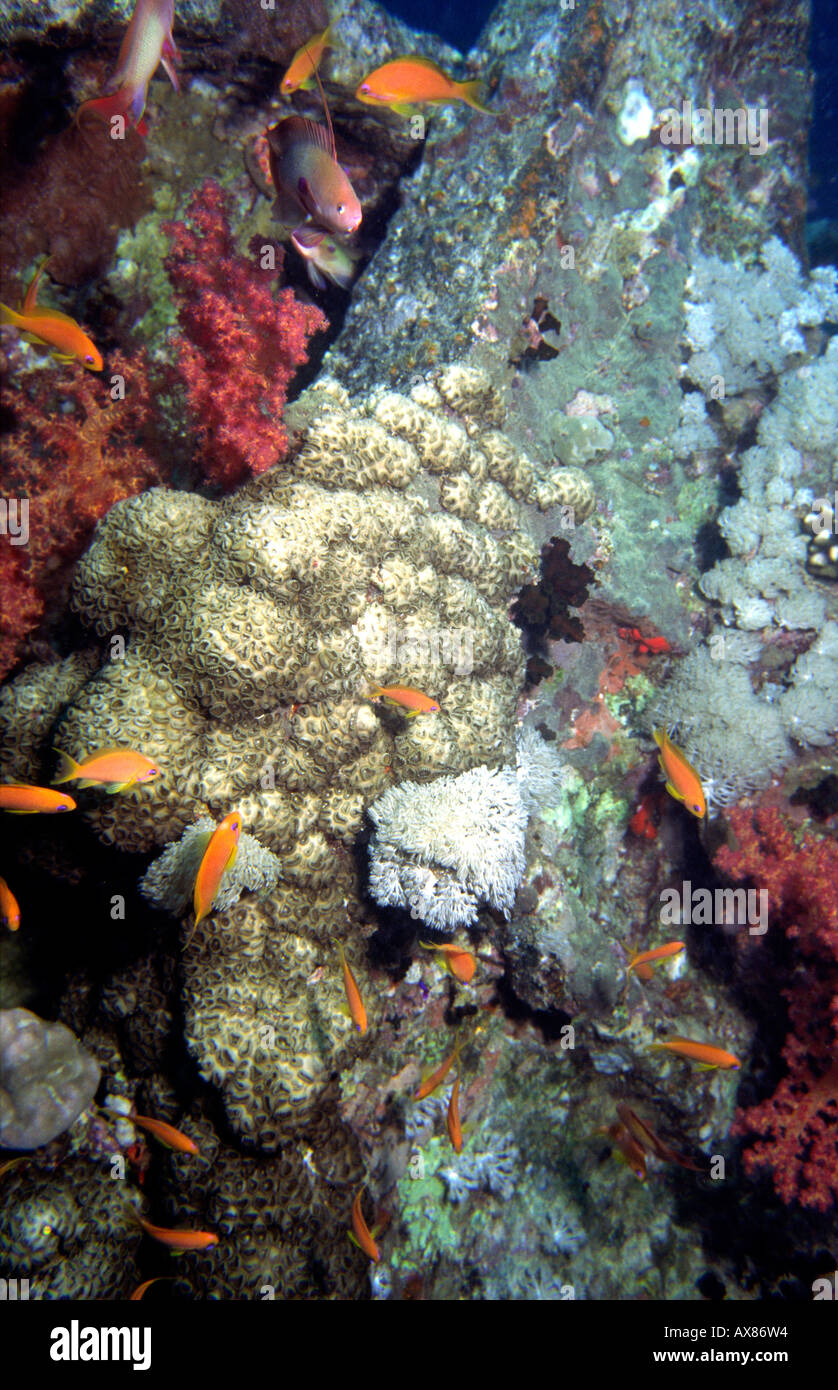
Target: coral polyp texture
244, 638
239, 346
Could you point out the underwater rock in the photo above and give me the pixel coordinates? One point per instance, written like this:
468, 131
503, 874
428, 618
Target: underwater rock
46, 1079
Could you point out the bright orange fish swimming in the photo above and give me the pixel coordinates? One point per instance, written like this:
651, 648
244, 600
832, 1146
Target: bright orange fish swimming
9, 910
141, 1289
21, 800
437, 1077
114, 768
304, 64
363, 1235
455, 1131
219, 856
705, 1053
410, 81
308, 180
65, 339
179, 1240
682, 780
641, 961
459, 961
147, 43
412, 701
357, 1011
166, 1133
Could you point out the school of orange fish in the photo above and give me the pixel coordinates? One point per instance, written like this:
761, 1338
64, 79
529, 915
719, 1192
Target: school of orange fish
313, 192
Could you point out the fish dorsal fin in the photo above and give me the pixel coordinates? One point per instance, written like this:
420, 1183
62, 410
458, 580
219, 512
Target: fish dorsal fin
331, 146
30, 299
314, 133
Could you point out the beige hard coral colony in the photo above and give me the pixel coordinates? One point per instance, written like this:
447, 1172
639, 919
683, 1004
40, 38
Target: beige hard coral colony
384, 551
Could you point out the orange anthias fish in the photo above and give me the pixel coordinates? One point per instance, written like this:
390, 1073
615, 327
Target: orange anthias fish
219, 856
308, 180
114, 768
411, 81
147, 43
179, 1240
704, 1053
412, 701
459, 961
304, 64
455, 1132
357, 1011
630, 1150
65, 339
651, 1142
9, 910
141, 1289
641, 962
682, 780
166, 1133
362, 1233
437, 1077
21, 800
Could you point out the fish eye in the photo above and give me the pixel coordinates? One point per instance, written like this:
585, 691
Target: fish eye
63, 807
89, 359
365, 86
339, 209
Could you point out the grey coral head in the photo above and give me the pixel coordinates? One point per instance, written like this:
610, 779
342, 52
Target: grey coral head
46, 1079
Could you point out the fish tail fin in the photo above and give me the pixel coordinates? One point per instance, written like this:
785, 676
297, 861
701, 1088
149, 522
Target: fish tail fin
68, 768
8, 315
128, 101
470, 93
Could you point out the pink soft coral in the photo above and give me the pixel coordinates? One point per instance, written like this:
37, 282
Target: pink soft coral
798, 1125
240, 346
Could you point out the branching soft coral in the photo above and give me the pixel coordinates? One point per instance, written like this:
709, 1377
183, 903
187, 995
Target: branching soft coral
798, 1125
72, 451
240, 346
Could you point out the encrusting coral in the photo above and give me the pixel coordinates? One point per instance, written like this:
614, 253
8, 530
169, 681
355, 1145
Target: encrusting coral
244, 637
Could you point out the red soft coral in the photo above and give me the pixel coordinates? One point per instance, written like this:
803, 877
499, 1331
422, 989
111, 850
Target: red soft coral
798, 1125
240, 346
72, 451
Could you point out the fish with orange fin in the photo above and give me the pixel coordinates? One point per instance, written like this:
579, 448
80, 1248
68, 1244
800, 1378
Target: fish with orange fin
9, 908
706, 1054
166, 1133
219, 856
115, 769
437, 1077
413, 702
361, 1235
641, 961
48, 328
141, 1289
308, 180
300, 74
411, 81
179, 1240
355, 1003
458, 960
455, 1129
19, 799
651, 1142
682, 780
630, 1151
147, 43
